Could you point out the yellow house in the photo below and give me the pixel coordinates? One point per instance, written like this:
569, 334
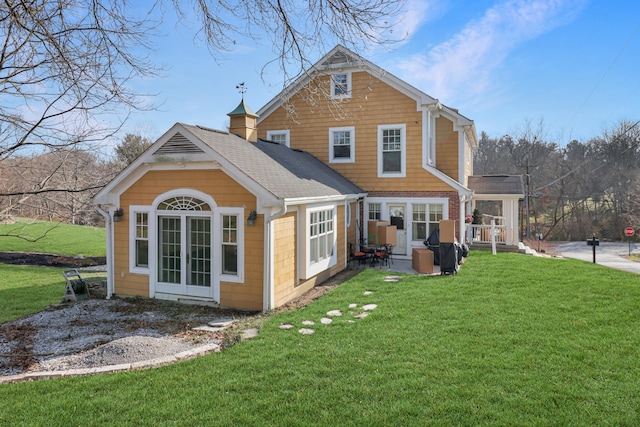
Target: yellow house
212, 217
408, 151
255, 216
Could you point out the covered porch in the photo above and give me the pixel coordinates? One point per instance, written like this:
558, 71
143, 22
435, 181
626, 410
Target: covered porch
496, 210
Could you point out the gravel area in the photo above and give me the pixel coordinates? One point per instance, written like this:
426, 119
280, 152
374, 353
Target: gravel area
98, 332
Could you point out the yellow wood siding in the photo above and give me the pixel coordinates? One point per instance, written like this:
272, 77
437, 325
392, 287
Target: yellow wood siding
446, 147
226, 192
285, 260
372, 103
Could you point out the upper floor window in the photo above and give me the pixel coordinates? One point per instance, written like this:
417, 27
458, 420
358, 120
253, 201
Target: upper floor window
391, 150
341, 85
342, 145
279, 136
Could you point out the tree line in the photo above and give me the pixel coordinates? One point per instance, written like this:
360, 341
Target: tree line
573, 190
58, 184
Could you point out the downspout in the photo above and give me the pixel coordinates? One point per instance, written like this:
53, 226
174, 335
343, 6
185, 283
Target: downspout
109, 234
268, 289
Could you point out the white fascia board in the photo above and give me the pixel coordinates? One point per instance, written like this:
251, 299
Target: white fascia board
461, 189
321, 199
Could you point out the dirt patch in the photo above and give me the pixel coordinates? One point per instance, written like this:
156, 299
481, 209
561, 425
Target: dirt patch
50, 260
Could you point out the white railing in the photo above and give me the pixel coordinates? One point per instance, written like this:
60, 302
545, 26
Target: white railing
481, 233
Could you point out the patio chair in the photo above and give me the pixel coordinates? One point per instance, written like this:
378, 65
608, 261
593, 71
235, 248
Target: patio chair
356, 255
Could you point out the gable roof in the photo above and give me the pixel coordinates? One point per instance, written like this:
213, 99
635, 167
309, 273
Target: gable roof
342, 58
497, 184
275, 172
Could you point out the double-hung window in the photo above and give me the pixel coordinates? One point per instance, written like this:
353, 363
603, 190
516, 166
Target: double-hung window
341, 85
139, 244
342, 145
425, 220
392, 150
374, 211
230, 244
279, 136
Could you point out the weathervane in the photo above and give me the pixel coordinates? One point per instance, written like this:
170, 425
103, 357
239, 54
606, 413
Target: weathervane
241, 88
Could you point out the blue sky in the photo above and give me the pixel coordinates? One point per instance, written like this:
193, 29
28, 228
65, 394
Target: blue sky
572, 64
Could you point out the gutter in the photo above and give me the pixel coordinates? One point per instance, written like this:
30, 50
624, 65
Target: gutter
108, 220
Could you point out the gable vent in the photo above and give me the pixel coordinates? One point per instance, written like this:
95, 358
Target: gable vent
178, 144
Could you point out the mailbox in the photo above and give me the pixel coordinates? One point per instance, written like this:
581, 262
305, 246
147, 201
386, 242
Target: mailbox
593, 242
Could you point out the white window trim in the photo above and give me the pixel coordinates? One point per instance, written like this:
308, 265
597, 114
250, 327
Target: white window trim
233, 278
133, 210
333, 86
286, 132
318, 267
352, 139
403, 152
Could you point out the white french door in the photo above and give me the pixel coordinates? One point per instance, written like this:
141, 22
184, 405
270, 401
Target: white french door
184, 255
397, 217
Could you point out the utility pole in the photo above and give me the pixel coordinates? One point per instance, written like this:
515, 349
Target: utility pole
527, 185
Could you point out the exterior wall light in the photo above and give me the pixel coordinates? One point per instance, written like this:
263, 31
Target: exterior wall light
118, 214
251, 219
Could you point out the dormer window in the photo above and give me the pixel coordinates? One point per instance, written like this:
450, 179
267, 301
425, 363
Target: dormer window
341, 85
279, 136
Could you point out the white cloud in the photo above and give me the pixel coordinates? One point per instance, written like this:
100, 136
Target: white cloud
464, 65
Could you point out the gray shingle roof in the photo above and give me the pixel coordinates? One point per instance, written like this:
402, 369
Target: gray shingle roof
285, 173
497, 184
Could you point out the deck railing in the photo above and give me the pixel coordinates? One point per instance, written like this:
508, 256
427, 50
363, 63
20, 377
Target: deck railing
481, 233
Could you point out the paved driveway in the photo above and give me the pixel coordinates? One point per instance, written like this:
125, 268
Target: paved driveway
609, 254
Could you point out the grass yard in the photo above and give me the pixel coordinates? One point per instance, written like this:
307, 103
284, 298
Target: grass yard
510, 340
27, 235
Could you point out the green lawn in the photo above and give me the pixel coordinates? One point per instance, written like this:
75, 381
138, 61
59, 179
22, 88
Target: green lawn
50, 237
510, 340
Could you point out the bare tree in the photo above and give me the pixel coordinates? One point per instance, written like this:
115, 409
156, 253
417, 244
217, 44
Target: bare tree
66, 65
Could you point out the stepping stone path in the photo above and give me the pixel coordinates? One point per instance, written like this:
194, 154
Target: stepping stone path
353, 307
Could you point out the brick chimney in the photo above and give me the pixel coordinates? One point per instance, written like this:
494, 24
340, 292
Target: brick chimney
243, 122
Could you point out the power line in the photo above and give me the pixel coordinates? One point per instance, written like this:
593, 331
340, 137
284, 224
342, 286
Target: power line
633, 33
590, 160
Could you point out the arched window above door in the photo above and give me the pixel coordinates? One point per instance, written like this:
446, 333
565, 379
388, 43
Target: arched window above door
183, 203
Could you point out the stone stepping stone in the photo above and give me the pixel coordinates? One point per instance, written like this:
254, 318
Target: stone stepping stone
306, 331
207, 328
326, 320
353, 305
367, 292
250, 333
334, 313
286, 325
369, 307
308, 322
223, 322
361, 315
